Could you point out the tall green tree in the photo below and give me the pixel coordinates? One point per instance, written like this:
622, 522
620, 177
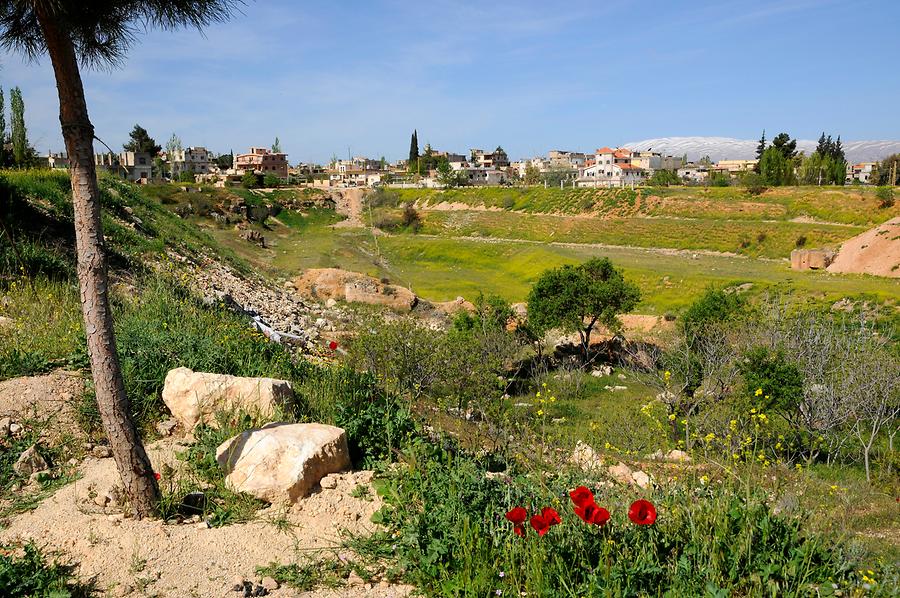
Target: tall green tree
98, 34
761, 147
786, 145
18, 133
775, 169
886, 170
577, 298
140, 141
413, 150
276, 147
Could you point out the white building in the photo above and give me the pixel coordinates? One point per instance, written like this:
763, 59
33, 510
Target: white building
191, 159
861, 172
693, 173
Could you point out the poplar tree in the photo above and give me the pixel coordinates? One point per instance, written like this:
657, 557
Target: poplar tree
19, 134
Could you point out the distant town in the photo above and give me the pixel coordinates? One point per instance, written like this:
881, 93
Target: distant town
433, 168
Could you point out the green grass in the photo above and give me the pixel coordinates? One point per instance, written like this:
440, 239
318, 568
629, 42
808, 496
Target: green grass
843, 205
765, 239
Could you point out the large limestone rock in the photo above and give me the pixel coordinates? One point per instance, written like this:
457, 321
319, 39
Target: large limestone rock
342, 285
195, 397
282, 462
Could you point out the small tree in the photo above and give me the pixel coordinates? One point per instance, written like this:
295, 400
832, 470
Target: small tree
271, 181
140, 141
276, 147
576, 298
187, 177
753, 183
885, 196
173, 147
532, 175
250, 180
17, 122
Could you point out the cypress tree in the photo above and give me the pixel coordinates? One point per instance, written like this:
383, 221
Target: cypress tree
822, 148
413, 148
19, 134
762, 145
837, 151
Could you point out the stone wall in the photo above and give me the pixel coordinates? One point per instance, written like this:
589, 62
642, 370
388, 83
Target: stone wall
811, 259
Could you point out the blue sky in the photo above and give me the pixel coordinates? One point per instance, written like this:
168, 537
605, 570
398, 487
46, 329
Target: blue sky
531, 76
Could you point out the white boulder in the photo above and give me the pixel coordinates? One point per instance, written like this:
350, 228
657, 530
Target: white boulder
282, 462
195, 397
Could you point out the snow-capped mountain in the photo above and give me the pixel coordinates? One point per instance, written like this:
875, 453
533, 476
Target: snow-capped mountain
725, 148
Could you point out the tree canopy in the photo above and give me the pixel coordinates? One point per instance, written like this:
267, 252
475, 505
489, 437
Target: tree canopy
141, 142
576, 298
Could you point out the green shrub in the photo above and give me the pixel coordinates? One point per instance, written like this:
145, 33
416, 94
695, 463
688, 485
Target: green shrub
776, 382
714, 307
270, 181
885, 196
32, 574
187, 177
250, 180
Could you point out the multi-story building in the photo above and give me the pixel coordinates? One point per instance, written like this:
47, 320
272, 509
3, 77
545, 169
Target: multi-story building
861, 172
559, 159
482, 159
191, 159
611, 168
136, 167
652, 161
262, 161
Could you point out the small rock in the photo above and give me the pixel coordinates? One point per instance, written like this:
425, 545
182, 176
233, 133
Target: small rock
270, 584
5, 423
328, 482
585, 457
603, 370
620, 473
679, 456
203, 525
330, 303
29, 462
101, 451
35, 478
122, 590
641, 479
101, 500
621, 377
354, 579
165, 428
14, 429
237, 584
116, 517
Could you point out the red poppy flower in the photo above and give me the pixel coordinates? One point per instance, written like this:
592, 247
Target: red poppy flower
581, 496
333, 345
550, 516
593, 514
519, 530
642, 512
157, 476
517, 515
540, 524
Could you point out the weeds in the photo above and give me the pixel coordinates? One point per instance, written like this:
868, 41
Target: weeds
26, 571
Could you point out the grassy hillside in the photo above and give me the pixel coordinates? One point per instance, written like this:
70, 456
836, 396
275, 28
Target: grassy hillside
754, 238
842, 205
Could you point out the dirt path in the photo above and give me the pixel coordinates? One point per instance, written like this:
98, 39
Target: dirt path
126, 557
349, 203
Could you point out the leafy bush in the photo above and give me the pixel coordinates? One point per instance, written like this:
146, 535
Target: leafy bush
32, 574
411, 219
250, 180
270, 181
713, 307
187, 177
885, 196
754, 183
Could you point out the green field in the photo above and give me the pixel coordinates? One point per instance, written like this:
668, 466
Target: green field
444, 268
839, 205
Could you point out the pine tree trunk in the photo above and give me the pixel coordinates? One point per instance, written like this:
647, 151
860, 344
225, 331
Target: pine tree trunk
131, 458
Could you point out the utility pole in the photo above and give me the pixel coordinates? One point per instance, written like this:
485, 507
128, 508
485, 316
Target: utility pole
894, 173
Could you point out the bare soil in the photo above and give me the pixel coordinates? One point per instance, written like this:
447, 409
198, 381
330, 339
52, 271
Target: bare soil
876, 251
149, 557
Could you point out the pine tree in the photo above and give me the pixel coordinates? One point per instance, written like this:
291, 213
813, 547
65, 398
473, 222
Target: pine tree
141, 142
762, 145
821, 147
19, 134
276, 147
413, 148
837, 151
